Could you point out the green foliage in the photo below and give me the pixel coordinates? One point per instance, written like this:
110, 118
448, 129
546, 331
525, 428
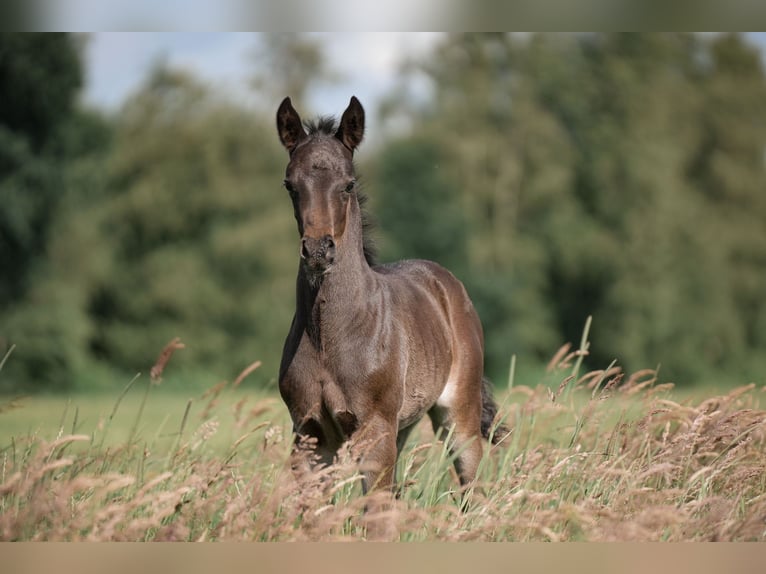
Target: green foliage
418, 206
50, 162
28, 191
39, 78
199, 231
40, 75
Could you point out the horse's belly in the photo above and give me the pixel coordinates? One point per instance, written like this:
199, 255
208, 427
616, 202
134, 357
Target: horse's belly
417, 401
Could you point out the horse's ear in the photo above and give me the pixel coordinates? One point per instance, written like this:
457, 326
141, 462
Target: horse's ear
289, 125
351, 129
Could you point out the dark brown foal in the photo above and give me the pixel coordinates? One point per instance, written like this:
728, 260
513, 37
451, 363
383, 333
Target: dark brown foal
372, 348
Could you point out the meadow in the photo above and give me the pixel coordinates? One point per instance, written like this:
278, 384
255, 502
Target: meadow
600, 456
617, 175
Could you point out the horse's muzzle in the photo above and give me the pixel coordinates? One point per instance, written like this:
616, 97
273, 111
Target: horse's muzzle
319, 254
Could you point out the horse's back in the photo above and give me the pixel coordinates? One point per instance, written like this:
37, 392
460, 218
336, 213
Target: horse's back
447, 290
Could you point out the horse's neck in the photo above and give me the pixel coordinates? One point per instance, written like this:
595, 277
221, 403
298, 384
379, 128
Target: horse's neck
340, 295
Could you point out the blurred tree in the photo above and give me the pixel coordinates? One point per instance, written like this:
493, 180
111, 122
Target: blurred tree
290, 65
199, 228
418, 206
729, 169
40, 75
51, 154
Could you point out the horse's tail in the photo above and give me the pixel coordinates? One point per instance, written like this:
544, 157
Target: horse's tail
488, 413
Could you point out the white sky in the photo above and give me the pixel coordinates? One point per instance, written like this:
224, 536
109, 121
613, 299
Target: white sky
117, 63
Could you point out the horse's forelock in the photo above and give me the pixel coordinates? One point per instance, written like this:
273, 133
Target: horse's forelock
323, 125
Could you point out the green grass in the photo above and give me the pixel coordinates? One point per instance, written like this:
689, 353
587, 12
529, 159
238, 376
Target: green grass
621, 459
49, 416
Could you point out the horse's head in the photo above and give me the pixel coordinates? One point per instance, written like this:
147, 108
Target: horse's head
320, 180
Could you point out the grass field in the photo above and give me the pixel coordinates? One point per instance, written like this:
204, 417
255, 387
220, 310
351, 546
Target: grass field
596, 458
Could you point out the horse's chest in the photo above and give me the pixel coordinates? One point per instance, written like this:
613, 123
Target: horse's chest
328, 380
396, 372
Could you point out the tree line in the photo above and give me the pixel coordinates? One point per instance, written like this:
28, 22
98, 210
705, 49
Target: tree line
621, 176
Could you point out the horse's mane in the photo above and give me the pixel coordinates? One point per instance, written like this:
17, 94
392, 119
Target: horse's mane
327, 126
370, 250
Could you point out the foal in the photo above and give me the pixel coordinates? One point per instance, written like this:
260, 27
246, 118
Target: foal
372, 348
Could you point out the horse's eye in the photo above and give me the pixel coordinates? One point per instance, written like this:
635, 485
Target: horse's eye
350, 186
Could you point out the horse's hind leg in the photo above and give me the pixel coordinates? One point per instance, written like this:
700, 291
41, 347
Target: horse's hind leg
459, 410
401, 438
464, 440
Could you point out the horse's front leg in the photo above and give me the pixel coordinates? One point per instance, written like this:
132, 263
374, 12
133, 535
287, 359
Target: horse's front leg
310, 451
376, 443
376, 440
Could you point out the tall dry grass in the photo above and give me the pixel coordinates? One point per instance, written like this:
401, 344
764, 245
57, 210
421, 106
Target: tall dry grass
598, 457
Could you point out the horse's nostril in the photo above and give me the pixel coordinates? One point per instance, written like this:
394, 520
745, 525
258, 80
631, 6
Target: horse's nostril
318, 251
328, 247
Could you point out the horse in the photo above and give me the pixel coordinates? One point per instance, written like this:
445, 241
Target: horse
371, 348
